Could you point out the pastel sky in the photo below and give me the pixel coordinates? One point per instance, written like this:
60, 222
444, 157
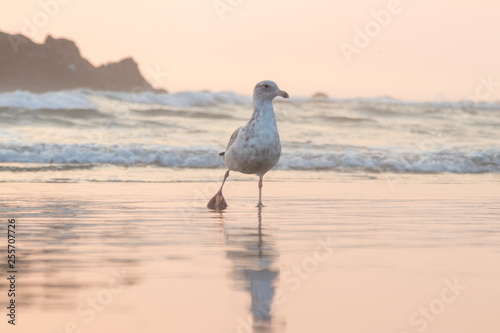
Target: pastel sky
406, 49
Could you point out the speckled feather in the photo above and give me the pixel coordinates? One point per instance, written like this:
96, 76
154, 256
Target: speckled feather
255, 148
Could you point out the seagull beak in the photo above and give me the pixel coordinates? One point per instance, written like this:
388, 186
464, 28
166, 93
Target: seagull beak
282, 93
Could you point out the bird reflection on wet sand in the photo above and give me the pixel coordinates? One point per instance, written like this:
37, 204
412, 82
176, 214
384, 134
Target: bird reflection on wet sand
253, 254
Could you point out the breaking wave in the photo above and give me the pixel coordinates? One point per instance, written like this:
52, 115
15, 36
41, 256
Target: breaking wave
90, 99
337, 158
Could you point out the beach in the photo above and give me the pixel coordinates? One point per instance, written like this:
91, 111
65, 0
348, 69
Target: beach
380, 216
408, 254
362, 194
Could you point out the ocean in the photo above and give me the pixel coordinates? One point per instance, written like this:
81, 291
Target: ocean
381, 216
97, 136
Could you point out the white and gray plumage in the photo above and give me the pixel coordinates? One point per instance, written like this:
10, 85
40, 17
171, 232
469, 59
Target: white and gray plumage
254, 148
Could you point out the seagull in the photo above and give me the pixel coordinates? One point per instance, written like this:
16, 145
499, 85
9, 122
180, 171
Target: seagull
254, 148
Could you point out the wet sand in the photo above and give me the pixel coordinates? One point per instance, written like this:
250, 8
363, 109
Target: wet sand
413, 254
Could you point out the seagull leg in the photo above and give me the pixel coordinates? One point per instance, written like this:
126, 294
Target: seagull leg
260, 192
218, 202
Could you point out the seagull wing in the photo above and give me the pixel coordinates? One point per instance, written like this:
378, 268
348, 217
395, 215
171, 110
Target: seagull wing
232, 139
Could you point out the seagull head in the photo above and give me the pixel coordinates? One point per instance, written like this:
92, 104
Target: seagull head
268, 90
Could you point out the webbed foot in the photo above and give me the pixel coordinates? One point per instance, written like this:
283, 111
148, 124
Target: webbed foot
217, 202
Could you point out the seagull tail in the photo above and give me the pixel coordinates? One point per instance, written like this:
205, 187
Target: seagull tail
222, 154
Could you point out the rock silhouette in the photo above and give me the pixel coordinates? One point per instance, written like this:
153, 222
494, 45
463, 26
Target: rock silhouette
58, 65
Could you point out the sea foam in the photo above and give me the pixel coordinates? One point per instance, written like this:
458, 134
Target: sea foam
90, 99
336, 159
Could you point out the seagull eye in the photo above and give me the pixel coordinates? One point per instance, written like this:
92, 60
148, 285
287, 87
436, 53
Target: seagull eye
266, 86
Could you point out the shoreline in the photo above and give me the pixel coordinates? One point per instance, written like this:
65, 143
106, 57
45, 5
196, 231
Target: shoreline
383, 255
47, 173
